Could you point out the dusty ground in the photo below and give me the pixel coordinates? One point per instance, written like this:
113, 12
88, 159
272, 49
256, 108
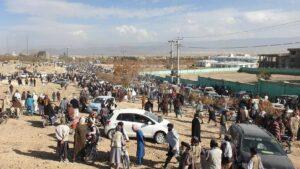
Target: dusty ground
25, 144
239, 77
8, 69
12, 68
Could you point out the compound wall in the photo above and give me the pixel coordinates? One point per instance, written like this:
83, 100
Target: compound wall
262, 87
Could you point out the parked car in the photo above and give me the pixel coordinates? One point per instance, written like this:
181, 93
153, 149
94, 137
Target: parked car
289, 100
278, 106
209, 89
212, 94
61, 81
23, 75
246, 95
153, 126
246, 136
98, 101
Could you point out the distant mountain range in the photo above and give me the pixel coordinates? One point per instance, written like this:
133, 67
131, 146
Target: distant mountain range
189, 48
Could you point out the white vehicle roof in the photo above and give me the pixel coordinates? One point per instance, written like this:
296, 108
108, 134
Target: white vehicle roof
133, 111
140, 112
207, 88
105, 97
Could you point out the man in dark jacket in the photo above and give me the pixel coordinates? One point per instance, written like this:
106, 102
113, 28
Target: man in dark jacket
212, 114
75, 104
196, 127
148, 106
177, 107
242, 115
49, 111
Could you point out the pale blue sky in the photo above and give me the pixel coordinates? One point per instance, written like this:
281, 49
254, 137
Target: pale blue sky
92, 23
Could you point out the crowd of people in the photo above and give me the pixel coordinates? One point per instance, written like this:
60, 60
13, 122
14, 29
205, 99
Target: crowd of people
190, 155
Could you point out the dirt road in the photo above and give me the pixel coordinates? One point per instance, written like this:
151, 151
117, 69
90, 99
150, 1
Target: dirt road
25, 144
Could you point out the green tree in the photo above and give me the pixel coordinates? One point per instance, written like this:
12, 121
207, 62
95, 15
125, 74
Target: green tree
263, 74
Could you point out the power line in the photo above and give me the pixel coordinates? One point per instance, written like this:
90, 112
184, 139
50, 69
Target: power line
254, 46
244, 31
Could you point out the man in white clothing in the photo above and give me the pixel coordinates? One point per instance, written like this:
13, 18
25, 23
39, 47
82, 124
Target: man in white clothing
17, 95
133, 95
62, 134
226, 153
214, 156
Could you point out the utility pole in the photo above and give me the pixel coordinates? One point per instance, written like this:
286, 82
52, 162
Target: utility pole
123, 51
67, 52
27, 46
7, 47
171, 58
177, 53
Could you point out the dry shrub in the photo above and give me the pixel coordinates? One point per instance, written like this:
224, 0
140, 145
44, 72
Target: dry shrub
125, 70
106, 77
207, 100
267, 107
194, 97
8, 58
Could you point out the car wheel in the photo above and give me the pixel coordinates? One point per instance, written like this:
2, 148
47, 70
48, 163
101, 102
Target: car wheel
110, 133
160, 137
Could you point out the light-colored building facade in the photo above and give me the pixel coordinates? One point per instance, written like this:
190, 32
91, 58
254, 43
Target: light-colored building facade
230, 61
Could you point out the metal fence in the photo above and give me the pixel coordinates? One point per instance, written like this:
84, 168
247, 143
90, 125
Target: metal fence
192, 71
271, 70
262, 87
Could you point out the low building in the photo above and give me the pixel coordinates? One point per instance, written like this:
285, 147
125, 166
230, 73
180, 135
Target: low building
289, 60
206, 63
234, 64
230, 61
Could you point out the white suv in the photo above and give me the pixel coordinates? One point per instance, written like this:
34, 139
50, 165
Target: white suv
151, 125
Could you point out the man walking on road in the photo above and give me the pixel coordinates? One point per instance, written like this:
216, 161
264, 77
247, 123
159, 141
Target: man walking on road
173, 141
196, 127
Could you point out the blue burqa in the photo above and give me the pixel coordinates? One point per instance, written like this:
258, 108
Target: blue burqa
29, 103
140, 146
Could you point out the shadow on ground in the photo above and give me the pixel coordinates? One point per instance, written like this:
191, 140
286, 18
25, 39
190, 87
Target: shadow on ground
38, 154
37, 124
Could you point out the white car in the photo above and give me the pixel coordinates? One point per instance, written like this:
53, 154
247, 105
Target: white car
152, 126
209, 89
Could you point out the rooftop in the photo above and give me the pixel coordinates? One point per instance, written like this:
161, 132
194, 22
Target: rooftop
275, 55
293, 49
253, 130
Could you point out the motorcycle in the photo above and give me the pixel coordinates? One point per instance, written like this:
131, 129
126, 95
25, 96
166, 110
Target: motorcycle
46, 121
125, 158
90, 149
286, 143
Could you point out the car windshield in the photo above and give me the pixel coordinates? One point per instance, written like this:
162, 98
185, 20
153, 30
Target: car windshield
263, 146
99, 100
152, 116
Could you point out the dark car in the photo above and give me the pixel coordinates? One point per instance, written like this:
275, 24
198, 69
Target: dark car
61, 81
243, 95
245, 136
289, 100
